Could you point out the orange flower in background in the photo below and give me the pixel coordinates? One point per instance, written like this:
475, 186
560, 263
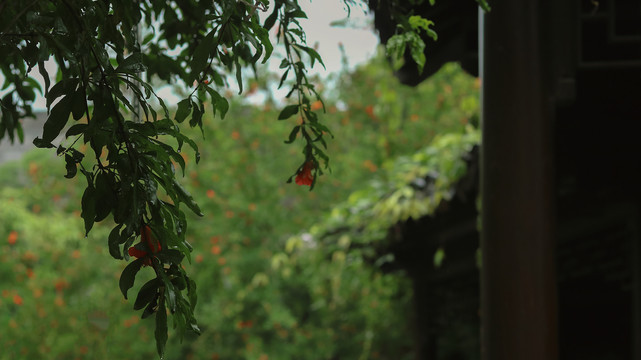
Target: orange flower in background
244, 324
37, 293
61, 284
147, 238
211, 193
316, 105
369, 109
370, 165
17, 299
33, 169
12, 238
29, 256
304, 176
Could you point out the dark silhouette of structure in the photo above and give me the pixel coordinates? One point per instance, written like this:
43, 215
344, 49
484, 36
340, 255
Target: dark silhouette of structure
560, 181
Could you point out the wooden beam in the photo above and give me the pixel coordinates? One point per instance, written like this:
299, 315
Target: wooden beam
518, 280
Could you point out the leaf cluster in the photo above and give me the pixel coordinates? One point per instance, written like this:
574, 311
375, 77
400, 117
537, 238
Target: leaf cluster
123, 138
409, 31
413, 186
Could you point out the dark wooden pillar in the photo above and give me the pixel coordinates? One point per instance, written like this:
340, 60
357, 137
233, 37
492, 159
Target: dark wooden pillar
518, 283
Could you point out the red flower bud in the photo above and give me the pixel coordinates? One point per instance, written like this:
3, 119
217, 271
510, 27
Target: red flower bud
147, 238
304, 176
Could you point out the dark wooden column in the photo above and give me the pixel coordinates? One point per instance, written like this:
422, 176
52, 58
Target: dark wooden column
518, 283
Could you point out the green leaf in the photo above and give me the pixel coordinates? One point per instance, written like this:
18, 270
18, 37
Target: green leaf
45, 75
114, 242
196, 117
263, 36
439, 257
147, 293
201, 54
128, 276
79, 103
88, 208
418, 22
184, 108
179, 282
292, 135
239, 76
57, 119
150, 309
288, 112
186, 198
417, 49
104, 195
76, 130
484, 5
271, 19
72, 168
170, 256
191, 293
61, 88
219, 102
313, 54
171, 296
298, 13
161, 329
132, 64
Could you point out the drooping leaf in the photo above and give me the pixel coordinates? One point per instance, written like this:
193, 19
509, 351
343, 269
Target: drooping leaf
132, 64
128, 276
183, 110
89, 208
72, 168
114, 242
288, 111
160, 332
147, 293
186, 198
201, 54
292, 135
57, 119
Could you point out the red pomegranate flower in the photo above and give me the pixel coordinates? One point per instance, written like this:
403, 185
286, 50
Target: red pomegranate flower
147, 238
304, 176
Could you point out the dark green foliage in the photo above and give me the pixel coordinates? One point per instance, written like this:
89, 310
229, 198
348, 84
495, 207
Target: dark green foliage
107, 54
263, 286
106, 119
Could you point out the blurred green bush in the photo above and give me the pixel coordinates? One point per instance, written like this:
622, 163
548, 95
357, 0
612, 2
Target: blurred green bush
266, 289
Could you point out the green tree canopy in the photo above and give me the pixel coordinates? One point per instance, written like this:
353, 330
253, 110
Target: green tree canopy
125, 141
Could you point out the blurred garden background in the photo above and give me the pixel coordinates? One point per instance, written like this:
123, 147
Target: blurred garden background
269, 288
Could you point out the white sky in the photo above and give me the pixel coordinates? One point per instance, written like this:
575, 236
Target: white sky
358, 39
